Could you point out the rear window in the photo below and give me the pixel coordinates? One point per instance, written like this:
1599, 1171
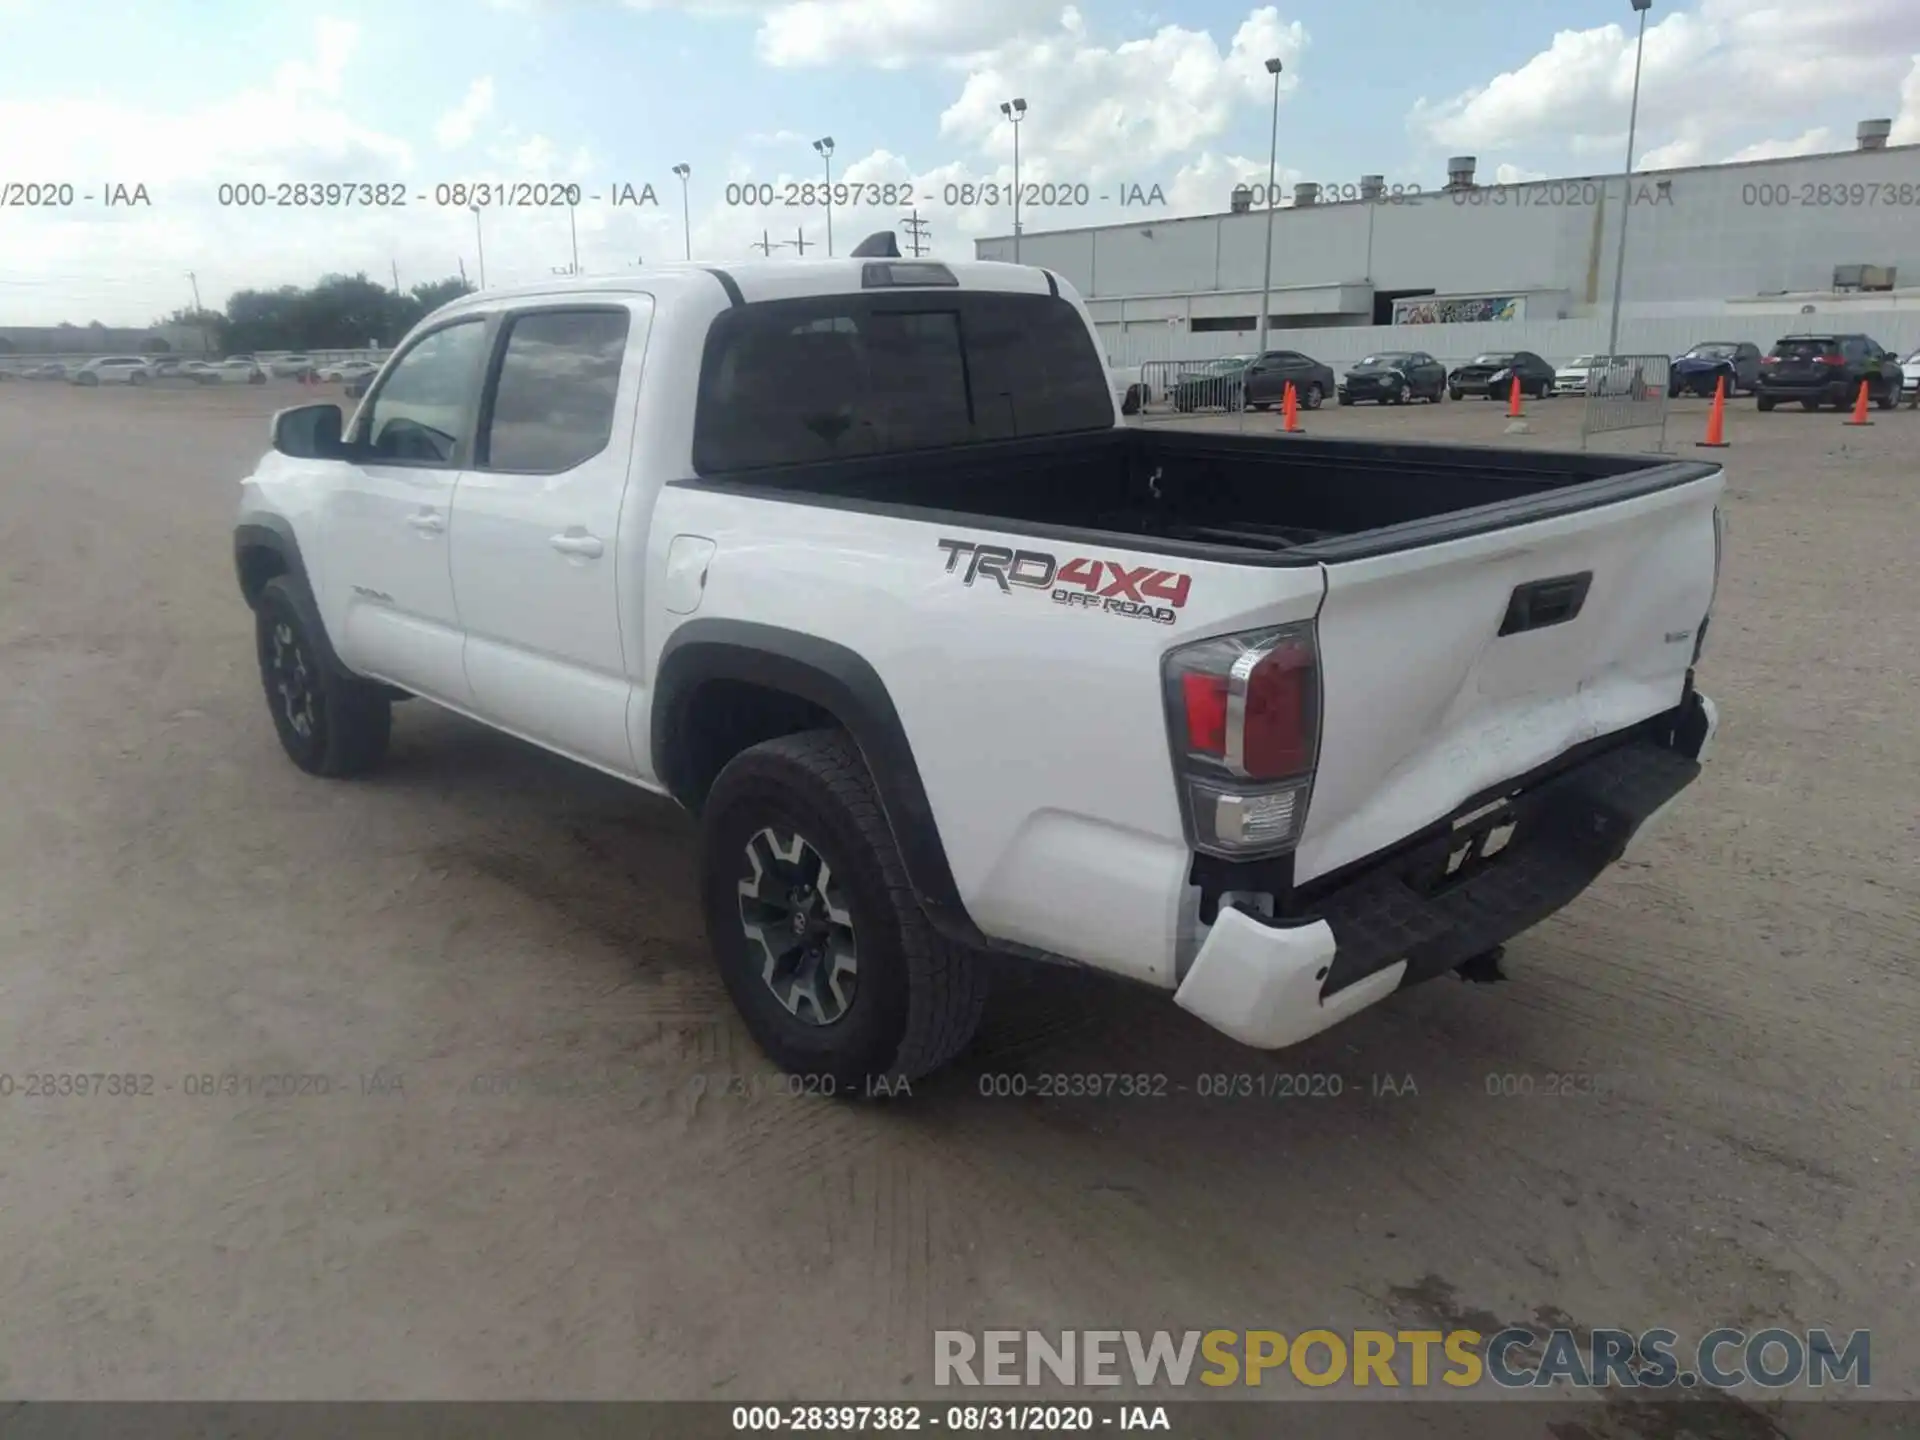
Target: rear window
842, 376
1806, 349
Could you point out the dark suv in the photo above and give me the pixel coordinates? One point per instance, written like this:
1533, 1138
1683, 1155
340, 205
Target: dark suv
1821, 370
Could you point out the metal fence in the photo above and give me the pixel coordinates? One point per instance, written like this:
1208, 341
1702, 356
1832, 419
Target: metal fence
1626, 392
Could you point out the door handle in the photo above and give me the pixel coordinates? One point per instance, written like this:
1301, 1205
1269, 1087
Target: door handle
428, 522
587, 545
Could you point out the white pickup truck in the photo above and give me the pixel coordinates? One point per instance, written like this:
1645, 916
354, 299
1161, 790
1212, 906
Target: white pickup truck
855, 560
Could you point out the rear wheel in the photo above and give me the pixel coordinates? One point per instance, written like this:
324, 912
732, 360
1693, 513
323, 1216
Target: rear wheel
1889, 397
1815, 405
1764, 403
1453, 394
814, 926
1313, 397
136, 378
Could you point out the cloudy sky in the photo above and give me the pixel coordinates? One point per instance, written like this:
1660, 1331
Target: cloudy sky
182, 96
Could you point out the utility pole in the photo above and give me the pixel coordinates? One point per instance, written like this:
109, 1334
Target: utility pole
480, 244
799, 242
764, 244
575, 234
396, 275
917, 232
1626, 183
194, 280
463, 269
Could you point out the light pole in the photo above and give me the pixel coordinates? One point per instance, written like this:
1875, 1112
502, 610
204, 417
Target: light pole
1626, 181
1016, 111
686, 211
1273, 160
825, 146
480, 245
573, 234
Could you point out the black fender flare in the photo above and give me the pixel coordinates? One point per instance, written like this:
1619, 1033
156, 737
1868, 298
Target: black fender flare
838, 681
275, 534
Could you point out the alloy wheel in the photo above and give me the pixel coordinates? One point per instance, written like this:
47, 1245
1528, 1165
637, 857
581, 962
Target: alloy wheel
795, 914
293, 680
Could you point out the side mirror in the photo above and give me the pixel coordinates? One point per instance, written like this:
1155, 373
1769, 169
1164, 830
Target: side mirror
309, 432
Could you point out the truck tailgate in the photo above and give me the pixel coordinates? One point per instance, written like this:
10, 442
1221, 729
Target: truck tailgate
1428, 704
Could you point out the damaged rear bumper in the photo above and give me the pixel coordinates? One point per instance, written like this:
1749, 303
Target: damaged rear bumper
1429, 906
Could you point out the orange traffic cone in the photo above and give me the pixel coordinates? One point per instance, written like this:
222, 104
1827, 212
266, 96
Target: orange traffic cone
1716, 419
1290, 411
1860, 407
1513, 400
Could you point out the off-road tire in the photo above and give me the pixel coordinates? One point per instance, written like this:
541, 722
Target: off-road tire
917, 998
351, 719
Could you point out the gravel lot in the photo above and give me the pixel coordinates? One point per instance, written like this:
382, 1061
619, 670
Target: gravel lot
515, 1184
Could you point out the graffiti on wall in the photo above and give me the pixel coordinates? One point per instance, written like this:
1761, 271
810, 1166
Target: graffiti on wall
1472, 310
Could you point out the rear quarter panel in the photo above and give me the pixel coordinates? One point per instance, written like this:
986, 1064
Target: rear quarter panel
1038, 726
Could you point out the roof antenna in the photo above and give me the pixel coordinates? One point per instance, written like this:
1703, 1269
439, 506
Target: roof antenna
879, 244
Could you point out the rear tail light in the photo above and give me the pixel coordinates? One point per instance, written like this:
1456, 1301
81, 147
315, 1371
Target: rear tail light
1244, 715
1769, 359
1833, 359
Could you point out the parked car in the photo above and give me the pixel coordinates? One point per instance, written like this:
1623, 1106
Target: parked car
1281, 824
1702, 368
283, 367
346, 370
1267, 379
1910, 373
113, 370
1492, 375
1821, 370
1395, 377
1209, 385
1576, 376
234, 370
46, 370
357, 388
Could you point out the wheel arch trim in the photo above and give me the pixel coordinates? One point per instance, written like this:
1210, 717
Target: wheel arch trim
837, 680
274, 533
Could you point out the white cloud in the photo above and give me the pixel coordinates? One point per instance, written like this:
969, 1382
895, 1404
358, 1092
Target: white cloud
891, 33
1505, 174
456, 127
1103, 111
1712, 77
1906, 125
1808, 142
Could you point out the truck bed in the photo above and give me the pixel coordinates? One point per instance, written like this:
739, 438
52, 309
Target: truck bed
1265, 498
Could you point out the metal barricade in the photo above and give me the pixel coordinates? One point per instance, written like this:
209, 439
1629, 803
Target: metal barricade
1626, 392
1185, 387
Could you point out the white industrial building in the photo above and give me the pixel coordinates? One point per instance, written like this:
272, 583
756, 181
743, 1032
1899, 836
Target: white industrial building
1745, 251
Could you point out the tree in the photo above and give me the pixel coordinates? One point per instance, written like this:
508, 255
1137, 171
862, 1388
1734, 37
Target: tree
433, 294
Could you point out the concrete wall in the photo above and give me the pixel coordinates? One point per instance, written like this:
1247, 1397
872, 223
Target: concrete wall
1896, 327
1695, 239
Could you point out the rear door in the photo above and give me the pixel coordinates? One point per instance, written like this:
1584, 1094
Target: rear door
1803, 362
535, 522
1428, 703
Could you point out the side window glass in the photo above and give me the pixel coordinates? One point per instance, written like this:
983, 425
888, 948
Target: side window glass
420, 412
553, 400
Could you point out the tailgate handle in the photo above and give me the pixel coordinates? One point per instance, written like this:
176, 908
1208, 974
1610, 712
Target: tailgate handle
1540, 603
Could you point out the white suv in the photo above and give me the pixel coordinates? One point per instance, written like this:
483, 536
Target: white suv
114, 370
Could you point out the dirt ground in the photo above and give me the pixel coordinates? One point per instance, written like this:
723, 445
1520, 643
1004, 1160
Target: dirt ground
532, 1154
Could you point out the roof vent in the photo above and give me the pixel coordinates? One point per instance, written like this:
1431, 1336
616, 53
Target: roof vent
1460, 172
1241, 201
1306, 193
1873, 134
1372, 187
881, 242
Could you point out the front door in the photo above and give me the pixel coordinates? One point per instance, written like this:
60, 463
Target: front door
385, 575
536, 559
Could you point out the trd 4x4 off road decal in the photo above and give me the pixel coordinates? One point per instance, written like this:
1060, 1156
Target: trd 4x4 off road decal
1107, 586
